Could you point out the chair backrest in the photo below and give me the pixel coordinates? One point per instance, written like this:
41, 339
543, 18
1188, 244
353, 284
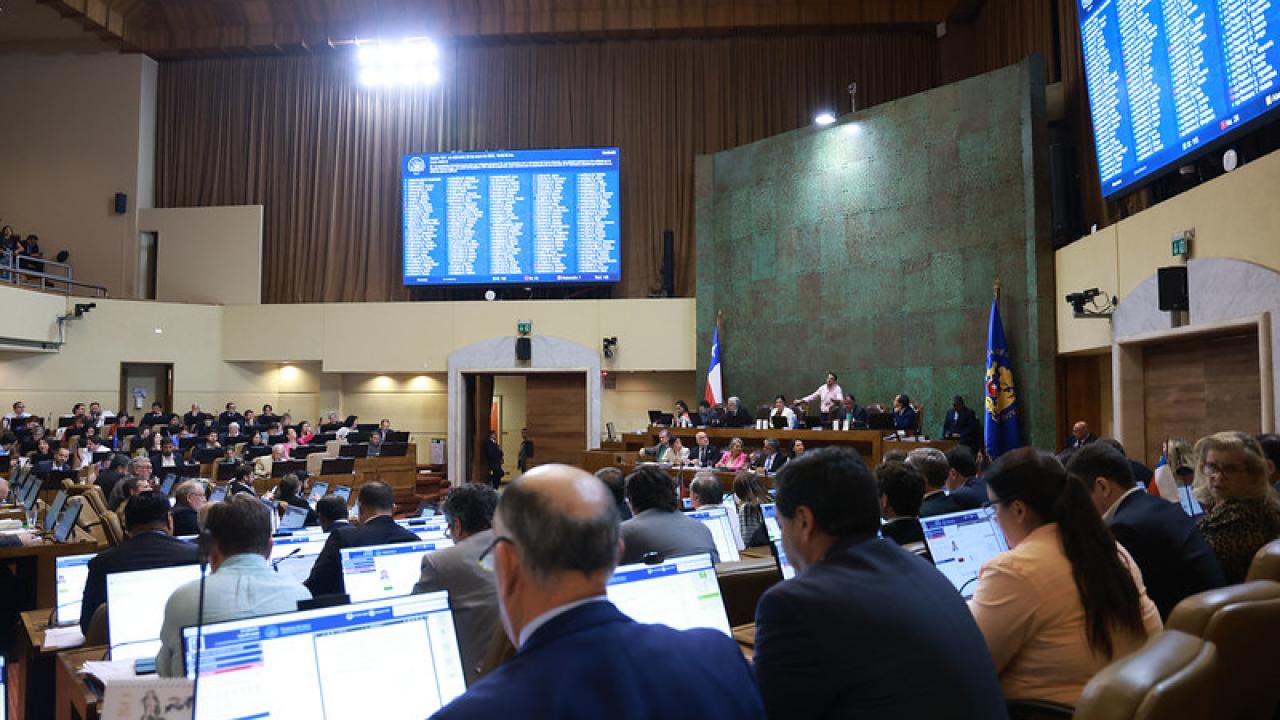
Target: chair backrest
1266, 563
1243, 622
919, 428
111, 526
741, 585
96, 635
1170, 677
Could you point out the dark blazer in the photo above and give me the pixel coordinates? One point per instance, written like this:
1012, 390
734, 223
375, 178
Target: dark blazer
326, 574
739, 419
186, 521
872, 631
904, 419
1075, 442
903, 530
773, 463
141, 552
971, 495
1170, 551
226, 418
856, 415
705, 456
594, 662
44, 467
963, 423
1141, 473
195, 420
107, 480
939, 503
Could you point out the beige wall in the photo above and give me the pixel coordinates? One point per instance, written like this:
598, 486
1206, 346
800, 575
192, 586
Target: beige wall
77, 130
512, 390
209, 255
1234, 216
30, 317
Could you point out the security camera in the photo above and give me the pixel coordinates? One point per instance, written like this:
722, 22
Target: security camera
84, 308
610, 344
1078, 301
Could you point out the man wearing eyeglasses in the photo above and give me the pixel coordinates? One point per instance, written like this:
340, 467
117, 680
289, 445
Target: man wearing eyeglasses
473, 597
554, 548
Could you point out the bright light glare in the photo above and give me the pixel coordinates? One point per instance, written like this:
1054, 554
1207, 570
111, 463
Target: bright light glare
398, 63
824, 118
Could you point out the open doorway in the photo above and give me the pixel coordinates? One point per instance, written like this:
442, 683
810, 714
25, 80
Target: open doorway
552, 405
144, 383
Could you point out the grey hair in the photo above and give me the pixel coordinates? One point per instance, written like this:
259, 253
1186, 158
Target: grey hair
707, 488
184, 489
734, 399
137, 462
551, 542
932, 463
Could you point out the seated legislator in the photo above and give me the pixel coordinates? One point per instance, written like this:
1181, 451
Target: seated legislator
735, 458
262, 465
850, 411
60, 462
115, 472
736, 416
655, 452
865, 629
554, 548
289, 492
704, 454
963, 483
904, 416
773, 459
748, 496
374, 444
681, 416
901, 491
705, 492
934, 468
781, 410
473, 596
188, 498
1174, 559
1242, 513
708, 416
1065, 600
195, 419
166, 461
241, 481
332, 513
149, 545
376, 528
658, 526
961, 424
241, 582
617, 484
675, 454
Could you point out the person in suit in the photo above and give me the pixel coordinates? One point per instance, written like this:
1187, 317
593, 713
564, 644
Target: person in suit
708, 416
773, 459
933, 466
901, 492
375, 444
376, 528
658, 526
1174, 558
904, 415
167, 460
229, 415
865, 629
704, 454
332, 514
188, 498
473, 596
961, 424
493, 459
195, 418
60, 461
1080, 435
288, 492
736, 416
242, 481
963, 483
114, 473
157, 416
150, 544
1142, 474
655, 452
554, 548
617, 484
851, 411
526, 450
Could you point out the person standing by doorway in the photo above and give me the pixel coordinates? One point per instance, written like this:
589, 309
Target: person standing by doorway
493, 458
526, 451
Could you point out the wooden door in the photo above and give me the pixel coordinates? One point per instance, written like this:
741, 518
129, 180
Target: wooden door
556, 415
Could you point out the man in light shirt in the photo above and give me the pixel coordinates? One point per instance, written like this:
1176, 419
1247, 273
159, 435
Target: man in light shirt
828, 395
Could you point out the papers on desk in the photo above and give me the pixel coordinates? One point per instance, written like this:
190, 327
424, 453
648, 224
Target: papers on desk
150, 698
109, 672
60, 638
11, 525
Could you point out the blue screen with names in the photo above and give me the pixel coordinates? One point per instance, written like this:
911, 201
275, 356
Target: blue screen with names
1168, 77
520, 216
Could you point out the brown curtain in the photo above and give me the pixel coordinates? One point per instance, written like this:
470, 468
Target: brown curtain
301, 137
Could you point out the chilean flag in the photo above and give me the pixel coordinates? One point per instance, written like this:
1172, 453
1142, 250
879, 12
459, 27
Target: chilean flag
715, 386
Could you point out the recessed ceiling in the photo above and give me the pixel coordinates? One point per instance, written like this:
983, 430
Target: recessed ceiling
29, 26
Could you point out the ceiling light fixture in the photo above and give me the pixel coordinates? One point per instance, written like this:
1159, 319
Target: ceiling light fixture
398, 63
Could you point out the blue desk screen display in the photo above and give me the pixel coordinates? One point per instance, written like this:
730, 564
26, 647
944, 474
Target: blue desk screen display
521, 216
1168, 78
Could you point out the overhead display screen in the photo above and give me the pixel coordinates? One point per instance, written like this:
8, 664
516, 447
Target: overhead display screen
1167, 78
521, 216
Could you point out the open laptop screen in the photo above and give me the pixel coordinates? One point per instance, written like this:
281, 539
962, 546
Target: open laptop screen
717, 521
294, 518
961, 542
294, 555
784, 566
51, 515
381, 571
682, 592
770, 512
71, 572
391, 658
135, 608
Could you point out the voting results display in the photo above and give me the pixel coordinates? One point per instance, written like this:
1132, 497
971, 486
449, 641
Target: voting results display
1168, 77
521, 216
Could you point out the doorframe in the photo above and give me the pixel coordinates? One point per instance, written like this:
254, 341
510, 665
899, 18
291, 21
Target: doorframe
124, 386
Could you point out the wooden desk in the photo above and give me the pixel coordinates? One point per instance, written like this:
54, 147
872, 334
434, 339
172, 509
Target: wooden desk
75, 699
685, 475
31, 674
34, 564
870, 444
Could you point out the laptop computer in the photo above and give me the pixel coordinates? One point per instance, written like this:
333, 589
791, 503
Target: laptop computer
770, 512
381, 571
294, 518
51, 514
70, 574
779, 422
784, 565
717, 520
682, 593
141, 594
961, 542
217, 493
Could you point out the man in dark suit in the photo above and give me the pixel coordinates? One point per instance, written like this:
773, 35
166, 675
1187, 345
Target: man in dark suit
195, 418
331, 512
166, 461
1080, 435
773, 459
150, 545
704, 454
114, 473
188, 498
736, 416
961, 424
658, 525
61, 460
850, 410
526, 450
554, 548
376, 528
708, 416
493, 459
865, 629
289, 492
229, 415
1174, 558
1142, 474
901, 491
963, 483
933, 466
157, 416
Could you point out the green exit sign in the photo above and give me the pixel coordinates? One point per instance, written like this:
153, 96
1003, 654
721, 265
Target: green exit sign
524, 327
1179, 247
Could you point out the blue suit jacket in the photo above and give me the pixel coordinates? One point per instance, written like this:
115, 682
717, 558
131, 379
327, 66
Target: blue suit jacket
1173, 556
594, 662
872, 631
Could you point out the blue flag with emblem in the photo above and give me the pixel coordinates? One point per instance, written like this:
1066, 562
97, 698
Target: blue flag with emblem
1001, 413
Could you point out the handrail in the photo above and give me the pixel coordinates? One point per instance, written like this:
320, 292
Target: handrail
12, 273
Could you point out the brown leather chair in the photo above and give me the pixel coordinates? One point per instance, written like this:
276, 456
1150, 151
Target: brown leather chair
1170, 677
1266, 563
741, 585
1243, 622
111, 526
97, 633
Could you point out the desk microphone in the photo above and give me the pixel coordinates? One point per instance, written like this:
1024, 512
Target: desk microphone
203, 543
276, 563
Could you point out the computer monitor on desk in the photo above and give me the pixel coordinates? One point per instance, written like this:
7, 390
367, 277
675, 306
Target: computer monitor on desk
51, 514
281, 468
770, 513
961, 542
380, 571
396, 436
294, 518
353, 451
344, 492
295, 555
784, 565
67, 521
394, 449
338, 466
717, 520
682, 593
70, 573
393, 658
139, 598
302, 451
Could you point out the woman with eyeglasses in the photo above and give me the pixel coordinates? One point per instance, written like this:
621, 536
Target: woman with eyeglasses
1242, 512
1065, 600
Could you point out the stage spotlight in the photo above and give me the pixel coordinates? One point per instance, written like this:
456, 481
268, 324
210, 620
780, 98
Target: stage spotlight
824, 118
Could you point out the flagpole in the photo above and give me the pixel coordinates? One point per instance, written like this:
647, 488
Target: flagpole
996, 290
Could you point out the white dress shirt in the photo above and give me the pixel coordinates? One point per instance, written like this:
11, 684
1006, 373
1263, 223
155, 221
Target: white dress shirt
827, 396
